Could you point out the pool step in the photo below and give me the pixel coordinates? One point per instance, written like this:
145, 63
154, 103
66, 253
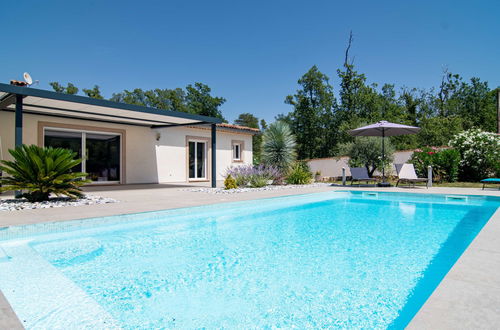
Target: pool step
3, 255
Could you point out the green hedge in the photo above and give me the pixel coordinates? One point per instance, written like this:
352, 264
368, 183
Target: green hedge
445, 163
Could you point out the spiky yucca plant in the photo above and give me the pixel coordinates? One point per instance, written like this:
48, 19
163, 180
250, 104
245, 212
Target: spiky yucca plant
278, 146
41, 172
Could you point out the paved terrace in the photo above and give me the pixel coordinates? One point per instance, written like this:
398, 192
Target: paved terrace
468, 297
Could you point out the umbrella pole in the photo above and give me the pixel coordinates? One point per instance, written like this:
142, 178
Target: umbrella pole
383, 155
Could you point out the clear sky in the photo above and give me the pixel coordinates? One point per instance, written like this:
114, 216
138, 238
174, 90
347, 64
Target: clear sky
250, 52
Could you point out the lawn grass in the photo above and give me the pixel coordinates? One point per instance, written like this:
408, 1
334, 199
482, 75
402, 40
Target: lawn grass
459, 184
436, 184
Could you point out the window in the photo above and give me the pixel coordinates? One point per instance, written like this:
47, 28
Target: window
197, 155
237, 151
100, 152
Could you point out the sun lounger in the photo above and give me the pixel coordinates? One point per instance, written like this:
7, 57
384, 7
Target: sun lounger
406, 173
360, 174
491, 180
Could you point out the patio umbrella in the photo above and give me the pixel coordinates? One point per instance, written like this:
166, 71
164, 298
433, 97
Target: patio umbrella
384, 128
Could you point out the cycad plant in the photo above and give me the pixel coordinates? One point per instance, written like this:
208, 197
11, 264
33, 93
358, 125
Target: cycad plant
41, 172
278, 146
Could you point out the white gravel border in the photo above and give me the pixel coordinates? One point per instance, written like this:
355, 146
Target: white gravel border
248, 189
22, 204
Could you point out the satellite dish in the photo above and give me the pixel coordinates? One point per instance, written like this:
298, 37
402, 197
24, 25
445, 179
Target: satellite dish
28, 78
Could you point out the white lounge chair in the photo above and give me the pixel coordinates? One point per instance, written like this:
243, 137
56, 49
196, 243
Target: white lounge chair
406, 173
360, 174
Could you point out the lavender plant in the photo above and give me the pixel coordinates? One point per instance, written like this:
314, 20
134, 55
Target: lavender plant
255, 176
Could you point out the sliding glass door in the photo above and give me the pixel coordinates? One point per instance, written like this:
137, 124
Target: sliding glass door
67, 140
100, 152
197, 160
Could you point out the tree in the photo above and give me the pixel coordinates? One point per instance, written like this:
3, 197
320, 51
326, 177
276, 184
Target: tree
367, 152
94, 93
166, 99
313, 114
249, 120
200, 102
438, 131
278, 147
69, 89
263, 124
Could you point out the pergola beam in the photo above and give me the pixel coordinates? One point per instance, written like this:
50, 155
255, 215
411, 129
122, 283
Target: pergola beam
177, 125
9, 99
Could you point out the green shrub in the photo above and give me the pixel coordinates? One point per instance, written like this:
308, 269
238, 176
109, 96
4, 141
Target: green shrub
445, 163
480, 154
230, 182
299, 173
42, 171
257, 181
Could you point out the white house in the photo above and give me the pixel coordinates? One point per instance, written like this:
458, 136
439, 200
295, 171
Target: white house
122, 143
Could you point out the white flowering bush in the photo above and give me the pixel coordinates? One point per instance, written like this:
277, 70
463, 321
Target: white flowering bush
480, 154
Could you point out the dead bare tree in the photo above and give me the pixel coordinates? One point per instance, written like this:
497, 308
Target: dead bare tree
346, 60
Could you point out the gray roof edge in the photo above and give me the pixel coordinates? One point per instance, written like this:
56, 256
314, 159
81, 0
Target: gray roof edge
28, 91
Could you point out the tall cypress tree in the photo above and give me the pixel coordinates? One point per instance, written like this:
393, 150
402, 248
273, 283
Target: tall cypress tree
314, 104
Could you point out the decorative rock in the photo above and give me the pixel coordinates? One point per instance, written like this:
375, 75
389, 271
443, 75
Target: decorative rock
23, 204
247, 189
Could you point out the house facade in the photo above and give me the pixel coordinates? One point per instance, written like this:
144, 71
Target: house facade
121, 143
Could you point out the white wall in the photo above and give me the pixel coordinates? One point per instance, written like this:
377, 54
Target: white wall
172, 151
332, 167
146, 159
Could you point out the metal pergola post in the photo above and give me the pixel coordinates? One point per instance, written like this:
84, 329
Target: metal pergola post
19, 120
18, 141
214, 152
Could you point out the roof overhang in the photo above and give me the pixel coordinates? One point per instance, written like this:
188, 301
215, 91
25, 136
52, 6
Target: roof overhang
42, 102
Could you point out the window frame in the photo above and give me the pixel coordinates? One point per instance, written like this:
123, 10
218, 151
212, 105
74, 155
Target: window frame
207, 158
241, 145
82, 129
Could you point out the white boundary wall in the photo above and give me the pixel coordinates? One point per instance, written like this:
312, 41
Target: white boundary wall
332, 167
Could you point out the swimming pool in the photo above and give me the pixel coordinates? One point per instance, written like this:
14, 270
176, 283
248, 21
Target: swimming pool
336, 259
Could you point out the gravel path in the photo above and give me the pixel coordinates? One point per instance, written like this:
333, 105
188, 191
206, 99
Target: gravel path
242, 190
23, 204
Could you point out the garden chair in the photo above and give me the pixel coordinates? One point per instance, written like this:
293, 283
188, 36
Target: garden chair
360, 174
406, 173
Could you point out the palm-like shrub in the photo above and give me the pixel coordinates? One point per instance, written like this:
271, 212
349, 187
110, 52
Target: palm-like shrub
278, 146
41, 172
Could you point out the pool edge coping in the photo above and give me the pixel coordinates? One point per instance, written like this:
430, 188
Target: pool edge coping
441, 309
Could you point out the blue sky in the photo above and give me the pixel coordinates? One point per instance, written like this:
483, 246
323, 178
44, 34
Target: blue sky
250, 52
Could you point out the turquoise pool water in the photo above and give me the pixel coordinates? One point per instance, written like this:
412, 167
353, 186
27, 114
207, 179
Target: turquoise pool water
337, 259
